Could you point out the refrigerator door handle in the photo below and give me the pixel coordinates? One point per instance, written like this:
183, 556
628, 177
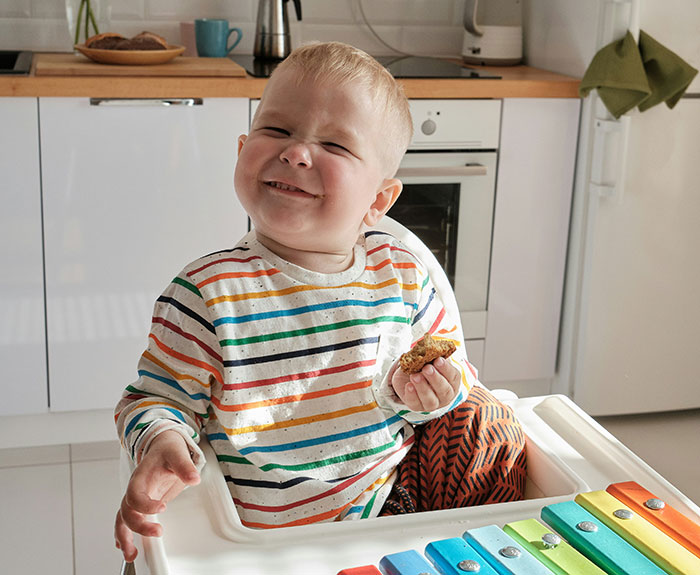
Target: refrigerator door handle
607, 173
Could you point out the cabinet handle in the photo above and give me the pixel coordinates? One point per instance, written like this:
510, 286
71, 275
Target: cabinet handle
146, 102
459, 171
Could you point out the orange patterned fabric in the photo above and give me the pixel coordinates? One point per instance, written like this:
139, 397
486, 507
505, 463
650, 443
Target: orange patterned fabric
473, 455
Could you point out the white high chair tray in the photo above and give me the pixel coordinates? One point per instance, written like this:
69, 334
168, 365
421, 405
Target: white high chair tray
568, 453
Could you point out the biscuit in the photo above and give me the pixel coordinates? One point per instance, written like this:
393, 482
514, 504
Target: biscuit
425, 351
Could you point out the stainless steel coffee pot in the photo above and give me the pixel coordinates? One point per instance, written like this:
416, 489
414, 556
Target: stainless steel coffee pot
272, 38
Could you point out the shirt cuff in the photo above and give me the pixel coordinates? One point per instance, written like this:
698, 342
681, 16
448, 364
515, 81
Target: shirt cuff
386, 398
184, 430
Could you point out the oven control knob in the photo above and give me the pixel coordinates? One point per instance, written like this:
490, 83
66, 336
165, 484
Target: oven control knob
428, 127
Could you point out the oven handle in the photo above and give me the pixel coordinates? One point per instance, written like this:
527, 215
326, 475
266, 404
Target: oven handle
459, 171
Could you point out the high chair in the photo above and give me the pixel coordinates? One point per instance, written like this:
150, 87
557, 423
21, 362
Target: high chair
568, 454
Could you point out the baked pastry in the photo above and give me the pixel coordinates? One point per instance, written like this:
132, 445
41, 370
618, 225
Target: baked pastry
114, 41
105, 41
425, 351
148, 41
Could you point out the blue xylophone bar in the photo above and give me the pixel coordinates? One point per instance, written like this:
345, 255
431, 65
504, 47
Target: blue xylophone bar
595, 540
455, 556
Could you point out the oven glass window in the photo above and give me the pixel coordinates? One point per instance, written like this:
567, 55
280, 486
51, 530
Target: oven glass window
430, 211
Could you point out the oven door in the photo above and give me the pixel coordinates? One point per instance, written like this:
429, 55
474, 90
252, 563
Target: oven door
448, 202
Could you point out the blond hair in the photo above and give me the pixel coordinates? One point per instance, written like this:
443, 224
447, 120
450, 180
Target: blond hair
340, 64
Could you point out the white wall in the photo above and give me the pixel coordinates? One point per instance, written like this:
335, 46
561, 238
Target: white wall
560, 35
425, 26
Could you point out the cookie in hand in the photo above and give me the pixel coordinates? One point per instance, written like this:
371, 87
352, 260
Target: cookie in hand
425, 351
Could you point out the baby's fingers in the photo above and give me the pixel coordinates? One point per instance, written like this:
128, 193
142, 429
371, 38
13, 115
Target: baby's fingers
138, 499
136, 521
444, 389
180, 463
449, 372
124, 539
411, 398
427, 398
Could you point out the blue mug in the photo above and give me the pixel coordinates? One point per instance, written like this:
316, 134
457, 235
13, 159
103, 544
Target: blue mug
212, 37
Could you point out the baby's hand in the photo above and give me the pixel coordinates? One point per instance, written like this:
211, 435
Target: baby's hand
435, 386
162, 474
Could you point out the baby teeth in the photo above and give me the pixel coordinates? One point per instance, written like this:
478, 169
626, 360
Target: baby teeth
281, 186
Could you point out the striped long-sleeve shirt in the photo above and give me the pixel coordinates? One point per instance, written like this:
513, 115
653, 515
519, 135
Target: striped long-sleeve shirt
287, 372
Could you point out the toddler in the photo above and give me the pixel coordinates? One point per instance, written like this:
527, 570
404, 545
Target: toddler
284, 349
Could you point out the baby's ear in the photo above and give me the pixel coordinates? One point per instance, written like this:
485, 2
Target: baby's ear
241, 140
387, 194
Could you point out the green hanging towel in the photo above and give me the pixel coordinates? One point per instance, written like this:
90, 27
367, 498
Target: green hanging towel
668, 74
617, 72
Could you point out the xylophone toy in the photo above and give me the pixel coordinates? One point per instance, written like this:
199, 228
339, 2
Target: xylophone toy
595, 534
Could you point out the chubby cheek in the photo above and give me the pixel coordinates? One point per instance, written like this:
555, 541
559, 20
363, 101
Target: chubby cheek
244, 175
239, 184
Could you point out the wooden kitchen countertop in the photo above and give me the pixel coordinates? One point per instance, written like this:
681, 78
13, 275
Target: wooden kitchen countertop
516, 82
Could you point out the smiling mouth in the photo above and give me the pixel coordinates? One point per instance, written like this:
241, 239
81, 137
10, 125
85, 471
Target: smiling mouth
289, 188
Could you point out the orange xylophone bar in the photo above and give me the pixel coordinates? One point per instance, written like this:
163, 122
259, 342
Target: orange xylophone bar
658, 513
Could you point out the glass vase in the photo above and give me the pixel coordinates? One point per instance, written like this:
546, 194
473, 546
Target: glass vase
87, 18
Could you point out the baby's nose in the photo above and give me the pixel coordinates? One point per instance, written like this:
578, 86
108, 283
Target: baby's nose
297, 154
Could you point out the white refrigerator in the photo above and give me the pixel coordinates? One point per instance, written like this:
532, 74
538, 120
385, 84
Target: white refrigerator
630, 334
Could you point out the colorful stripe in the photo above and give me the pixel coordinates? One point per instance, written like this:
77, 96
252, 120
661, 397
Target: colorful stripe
187, 311
174, 374
175, 329
301, 352
186, 358
317, 373
221, 262
315, 329
237, 275
300, 421
310, 309
304, 288
291, 398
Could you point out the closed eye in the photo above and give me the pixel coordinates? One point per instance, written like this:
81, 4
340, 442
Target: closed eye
334, 145
275, 130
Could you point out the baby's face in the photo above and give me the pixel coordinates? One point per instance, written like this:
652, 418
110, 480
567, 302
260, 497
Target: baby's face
309, 171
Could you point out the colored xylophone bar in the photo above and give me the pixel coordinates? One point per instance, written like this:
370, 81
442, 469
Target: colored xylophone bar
624, 530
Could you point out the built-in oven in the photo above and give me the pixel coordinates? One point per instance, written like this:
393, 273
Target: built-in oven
449, 178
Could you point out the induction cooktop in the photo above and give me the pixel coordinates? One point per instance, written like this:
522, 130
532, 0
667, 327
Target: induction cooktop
399, 66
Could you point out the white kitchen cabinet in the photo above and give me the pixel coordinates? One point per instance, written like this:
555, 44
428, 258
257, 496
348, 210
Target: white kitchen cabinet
96, 494
531, 226
36, 533
22, 327
133, 191
58, 509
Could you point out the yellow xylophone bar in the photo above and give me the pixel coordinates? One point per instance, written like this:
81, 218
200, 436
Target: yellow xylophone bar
651, 541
